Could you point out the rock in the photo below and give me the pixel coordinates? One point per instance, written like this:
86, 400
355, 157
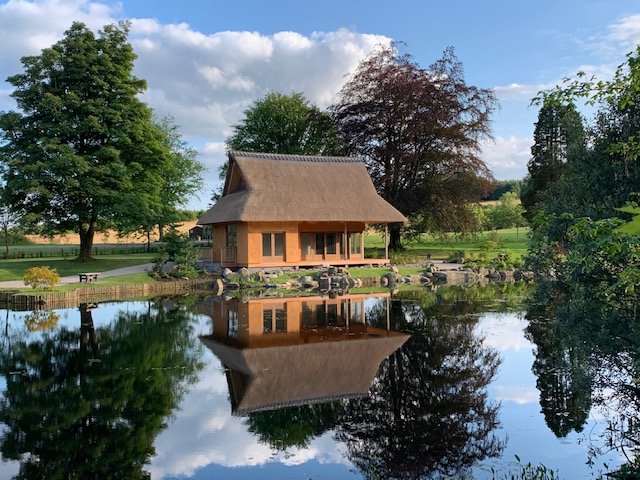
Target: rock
226, 273
384, 281
218, 286
406, 280
168, 267
233, 286
244, 272
306, 281
425, 281
393, 269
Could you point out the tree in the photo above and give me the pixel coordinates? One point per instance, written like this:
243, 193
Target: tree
286, 124
181, 178
508, 214
84, 149
559, 134
419, 131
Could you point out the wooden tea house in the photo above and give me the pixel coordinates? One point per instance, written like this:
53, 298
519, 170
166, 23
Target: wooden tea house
294, 210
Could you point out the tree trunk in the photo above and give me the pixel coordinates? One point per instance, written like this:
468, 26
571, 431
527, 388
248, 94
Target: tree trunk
6, 240
395, 240
148, 240
86, 232
160, 232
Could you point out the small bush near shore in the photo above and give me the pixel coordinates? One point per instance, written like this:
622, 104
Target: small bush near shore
44, 278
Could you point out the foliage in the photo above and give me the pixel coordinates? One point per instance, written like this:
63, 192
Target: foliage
182, 177
83, 151
419, 131
527, 472
44, 278
502, 187
509, 213
294, 426
558, 137
598, 179
181, 249
287, 124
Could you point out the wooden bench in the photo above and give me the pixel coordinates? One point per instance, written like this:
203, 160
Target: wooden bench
88, 277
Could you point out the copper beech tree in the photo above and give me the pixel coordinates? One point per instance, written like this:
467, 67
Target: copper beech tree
420, 132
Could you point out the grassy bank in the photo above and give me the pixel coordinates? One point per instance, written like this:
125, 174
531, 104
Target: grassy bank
511, 241
13, 269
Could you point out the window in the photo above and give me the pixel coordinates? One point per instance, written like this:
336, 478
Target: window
267, 321
319, 243
322, 243
232, 318
269, 315
232, 235
305, 243
273, 245
266, 245
331, 243
354, 240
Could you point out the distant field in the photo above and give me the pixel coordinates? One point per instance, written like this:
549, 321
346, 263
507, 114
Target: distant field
109, 236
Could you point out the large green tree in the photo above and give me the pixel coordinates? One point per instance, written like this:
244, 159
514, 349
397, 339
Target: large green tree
287, 124
83, 149
559, 135
182, 177
419, 131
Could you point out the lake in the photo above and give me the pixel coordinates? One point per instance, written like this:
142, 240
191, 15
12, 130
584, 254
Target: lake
421, 383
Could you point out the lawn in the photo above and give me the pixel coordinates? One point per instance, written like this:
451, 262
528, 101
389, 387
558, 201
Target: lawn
13, 269
512, 241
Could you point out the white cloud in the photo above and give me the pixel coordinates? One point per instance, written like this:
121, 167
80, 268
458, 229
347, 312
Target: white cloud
517, 394
508, 156
626, 32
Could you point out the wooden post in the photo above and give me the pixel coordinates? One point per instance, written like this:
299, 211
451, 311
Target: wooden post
386, 243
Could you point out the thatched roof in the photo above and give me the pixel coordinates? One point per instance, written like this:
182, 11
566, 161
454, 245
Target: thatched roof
273, 188
276, 377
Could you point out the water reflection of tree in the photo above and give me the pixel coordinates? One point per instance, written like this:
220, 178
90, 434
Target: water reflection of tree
563, 377
587, 354
427, 413
294, 426
88, 402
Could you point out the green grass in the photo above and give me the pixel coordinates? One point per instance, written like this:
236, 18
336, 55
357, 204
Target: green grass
13, 269
513, 241
133, 279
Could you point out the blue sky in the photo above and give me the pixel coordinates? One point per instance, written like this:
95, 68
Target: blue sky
205, 62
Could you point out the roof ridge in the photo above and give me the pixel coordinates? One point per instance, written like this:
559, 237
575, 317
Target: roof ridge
295, 157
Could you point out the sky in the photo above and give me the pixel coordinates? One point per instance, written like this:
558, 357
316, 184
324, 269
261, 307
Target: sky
205, 62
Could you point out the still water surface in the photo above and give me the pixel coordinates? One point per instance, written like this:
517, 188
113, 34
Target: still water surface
414, 385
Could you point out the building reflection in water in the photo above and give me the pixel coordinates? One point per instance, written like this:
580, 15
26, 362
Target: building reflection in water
280, 352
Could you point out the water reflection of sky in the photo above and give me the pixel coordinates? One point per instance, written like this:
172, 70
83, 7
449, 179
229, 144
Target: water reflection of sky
203, 440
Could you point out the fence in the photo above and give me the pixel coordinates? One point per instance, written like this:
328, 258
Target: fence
21, 301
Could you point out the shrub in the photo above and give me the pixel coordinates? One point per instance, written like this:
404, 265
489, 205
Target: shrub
41, 277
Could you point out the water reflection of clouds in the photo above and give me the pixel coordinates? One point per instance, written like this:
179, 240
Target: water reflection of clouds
503, 331
514, 382
203, 433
